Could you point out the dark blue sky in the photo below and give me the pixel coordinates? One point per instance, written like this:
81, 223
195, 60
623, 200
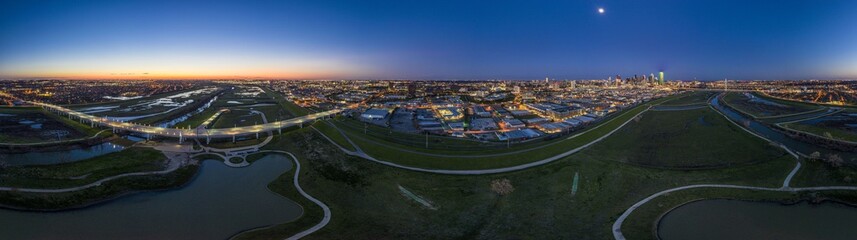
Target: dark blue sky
430, 39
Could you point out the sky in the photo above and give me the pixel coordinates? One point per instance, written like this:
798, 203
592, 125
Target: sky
367, 39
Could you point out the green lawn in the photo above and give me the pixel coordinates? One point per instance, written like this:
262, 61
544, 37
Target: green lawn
695, 97
85, 171
237, 118
334, 135
835, 133
417, 141
122, 107
384, 152
250, 140
197, 119
291, 107
103, 192
12, 132
639, 225
760, 110
367, 204
271, 112
642, 223
689, 139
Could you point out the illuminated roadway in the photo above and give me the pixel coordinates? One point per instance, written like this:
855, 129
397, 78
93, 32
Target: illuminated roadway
186, 133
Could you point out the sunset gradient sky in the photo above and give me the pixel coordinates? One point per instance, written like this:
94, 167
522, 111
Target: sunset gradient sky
705, 39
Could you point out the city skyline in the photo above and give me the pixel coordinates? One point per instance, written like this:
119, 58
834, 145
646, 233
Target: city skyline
703, 40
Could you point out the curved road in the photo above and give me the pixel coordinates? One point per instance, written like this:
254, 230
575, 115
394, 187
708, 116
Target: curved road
493, 154
617, 225
186, 133
617, 231
327, 213
173, 164
360, 153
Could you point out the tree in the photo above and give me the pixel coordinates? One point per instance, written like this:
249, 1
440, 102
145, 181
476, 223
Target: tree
502, 186
815, 155
3, 163
835, 160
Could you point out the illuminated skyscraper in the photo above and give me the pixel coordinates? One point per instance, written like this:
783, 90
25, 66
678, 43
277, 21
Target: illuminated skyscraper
661, 78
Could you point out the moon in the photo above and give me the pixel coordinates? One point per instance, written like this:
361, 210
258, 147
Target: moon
601, 10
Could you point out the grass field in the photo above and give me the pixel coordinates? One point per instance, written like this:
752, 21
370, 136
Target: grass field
334, 135
416, 141
291, 107
146, 106
696, 97
267, 102
642, 223
197, 119
766, 107
367, 203
103, 192
689, 139
835, 129
383, 151
237, 118
12, 130
85, 171
242, 141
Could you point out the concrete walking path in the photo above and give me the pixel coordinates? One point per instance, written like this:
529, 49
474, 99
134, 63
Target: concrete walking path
174, 161
360, 153
617, 225
493, 154
327, 214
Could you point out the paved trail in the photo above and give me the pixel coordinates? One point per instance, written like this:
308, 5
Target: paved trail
492, 154
174, 162
617, 225
359, 153
327, 213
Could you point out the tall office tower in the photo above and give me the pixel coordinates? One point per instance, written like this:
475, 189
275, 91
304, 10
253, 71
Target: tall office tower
573, 84
546, 79
661, 78
651, 77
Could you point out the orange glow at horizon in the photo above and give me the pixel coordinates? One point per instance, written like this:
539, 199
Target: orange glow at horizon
189, 65
185, 75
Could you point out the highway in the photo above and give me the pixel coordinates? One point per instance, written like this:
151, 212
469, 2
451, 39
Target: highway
182, 134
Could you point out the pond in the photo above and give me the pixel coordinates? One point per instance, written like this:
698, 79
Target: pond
220, 202
733, 219
769, 133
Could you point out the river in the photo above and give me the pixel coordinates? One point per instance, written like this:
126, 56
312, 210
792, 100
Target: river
773, 135
733, 219
220, 202
62, 156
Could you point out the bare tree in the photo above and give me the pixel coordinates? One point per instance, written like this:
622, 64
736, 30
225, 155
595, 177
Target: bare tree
3, 164
815, 155
835, 160
502, 186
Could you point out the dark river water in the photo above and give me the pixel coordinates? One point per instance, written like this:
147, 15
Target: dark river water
732, 219
54, 157
793, 144
217, 204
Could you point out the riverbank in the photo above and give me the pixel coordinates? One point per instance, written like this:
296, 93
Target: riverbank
93, 174
643, 223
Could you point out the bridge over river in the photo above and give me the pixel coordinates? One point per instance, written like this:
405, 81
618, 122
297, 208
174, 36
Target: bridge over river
182, 134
